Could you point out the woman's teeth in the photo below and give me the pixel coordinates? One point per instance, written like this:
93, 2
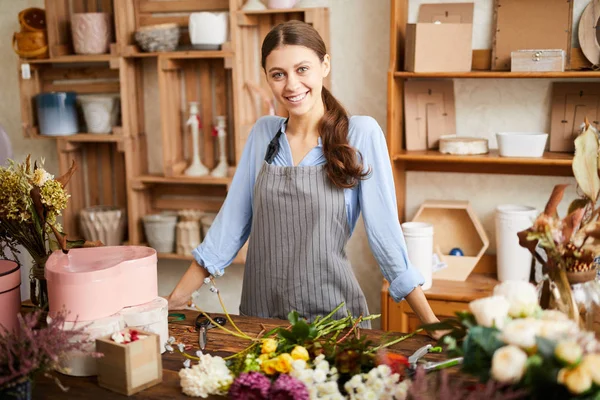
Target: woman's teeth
297, 98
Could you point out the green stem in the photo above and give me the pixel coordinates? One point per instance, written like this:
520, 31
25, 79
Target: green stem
397, 340
330, 314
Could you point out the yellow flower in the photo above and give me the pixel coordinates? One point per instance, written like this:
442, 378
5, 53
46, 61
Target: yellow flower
300, 353
577, 380
591, 362
568, 352
269, 346
283, 363
268, 366
263, 357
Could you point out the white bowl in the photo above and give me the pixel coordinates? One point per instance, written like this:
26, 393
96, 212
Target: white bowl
521, 144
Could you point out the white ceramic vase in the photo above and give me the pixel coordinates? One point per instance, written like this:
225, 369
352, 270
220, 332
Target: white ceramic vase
253, 5
513, 261
281, 4
103, 223
419, 245
91, 32
208, 30
100, 112
160, 231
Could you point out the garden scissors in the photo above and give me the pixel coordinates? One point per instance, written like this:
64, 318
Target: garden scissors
429, 365
203, 324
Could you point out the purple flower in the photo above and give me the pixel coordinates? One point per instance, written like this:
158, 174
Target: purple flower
288, 388
250, 386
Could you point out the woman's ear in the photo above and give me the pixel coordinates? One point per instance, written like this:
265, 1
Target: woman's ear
326, 65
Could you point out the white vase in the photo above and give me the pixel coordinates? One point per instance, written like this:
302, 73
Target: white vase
281, 4
208, 30
419, 245
513, 261
100, 112
253, 5
103, 223
160, 231
309, 3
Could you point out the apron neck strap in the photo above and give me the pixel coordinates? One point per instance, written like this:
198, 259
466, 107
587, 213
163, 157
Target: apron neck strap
273, 147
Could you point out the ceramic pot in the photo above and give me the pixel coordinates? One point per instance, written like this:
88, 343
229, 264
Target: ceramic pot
188, 236
100, 112
161, 37
208, 30
280, 4
160, 231
253, 5
513, 260
56, 113
103, 223
91, 32
10, 294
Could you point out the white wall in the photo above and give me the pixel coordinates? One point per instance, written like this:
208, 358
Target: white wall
360, 51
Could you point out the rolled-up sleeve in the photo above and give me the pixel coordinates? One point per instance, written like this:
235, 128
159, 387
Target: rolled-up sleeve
377, 200
231, 227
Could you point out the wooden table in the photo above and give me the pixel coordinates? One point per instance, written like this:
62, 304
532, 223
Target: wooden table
219, 343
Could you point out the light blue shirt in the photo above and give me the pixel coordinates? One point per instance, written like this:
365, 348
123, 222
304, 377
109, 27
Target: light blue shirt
374, 196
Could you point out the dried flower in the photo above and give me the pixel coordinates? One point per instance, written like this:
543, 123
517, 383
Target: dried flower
288, 388
250, 386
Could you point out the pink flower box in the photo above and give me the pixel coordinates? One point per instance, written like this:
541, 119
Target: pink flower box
96, 282
10, 295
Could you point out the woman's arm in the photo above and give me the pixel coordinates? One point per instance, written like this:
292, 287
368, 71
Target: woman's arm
189, 282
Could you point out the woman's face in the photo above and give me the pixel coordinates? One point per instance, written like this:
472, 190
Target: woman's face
295, 75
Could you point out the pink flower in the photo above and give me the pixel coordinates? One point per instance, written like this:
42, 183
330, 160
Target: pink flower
288, 388
250, 386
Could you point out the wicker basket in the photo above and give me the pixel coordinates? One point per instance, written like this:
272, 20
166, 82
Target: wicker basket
32, 20
30, 44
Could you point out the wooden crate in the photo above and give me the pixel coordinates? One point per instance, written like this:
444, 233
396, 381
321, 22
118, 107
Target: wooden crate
249, 30
100, 179
88, 78
134, 14
58, 17
181, 81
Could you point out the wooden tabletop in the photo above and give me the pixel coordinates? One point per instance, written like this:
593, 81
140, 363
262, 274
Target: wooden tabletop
219, 343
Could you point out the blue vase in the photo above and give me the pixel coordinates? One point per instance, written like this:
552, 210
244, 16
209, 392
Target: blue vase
20, 391
57, 113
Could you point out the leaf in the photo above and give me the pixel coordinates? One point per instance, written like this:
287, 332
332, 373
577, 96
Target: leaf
293, 317
555, 199
524, 241
63, 180
571, 223
545, 347
593, 230
585, 164
36, 197
300, 330
486, 338
75, 244
287, 335
576, 204
312, 332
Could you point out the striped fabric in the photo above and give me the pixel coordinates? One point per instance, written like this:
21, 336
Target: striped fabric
296, 258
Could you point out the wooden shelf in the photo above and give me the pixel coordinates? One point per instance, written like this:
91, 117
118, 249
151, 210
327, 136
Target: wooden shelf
276, 11
498, 74
191, 54
91, 138
76, 58
552, 164
176, 180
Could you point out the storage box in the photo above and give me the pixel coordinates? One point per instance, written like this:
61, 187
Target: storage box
129, 368
455, 225
441, 40
537, 60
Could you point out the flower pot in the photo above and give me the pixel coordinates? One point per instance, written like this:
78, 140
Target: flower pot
161, 37
103, 223
91, 32
280, 4
208, 30
513, 260
160, 232
100, 112
56, 113
10, 294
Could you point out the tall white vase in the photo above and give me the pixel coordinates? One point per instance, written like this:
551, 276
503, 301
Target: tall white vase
419, 245
513, 261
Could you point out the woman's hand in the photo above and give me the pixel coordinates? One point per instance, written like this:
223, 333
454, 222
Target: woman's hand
178, 303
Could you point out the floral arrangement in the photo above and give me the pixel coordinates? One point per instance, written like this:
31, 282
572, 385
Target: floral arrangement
508, 339
31, 201
322, 359
31, 349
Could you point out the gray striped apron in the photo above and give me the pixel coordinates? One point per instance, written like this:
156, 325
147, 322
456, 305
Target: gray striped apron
296, 255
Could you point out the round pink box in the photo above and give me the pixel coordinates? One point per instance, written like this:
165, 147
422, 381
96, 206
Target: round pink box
96, 282
10, 295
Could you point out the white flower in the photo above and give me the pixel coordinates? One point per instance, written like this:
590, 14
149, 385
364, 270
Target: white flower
592, 363
171, 340
557, 329
522, 297
521, 332
319, 376
40, 177
187, 363
169, 348
554, 315
118, 337
209, 377
508, 364
568, 352
490, 311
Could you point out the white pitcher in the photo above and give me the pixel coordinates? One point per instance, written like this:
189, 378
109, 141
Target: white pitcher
209, 29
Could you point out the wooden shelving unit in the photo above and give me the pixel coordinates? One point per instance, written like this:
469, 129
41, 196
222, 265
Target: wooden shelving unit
496, 75
113, 168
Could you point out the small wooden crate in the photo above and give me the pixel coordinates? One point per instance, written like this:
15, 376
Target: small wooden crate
129, 368
537, 61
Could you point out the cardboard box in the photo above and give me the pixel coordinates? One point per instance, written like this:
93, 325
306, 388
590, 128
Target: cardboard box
129, 368
441, 40
537, 60
455, 224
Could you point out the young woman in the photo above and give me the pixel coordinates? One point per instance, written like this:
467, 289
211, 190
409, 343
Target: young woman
296, 195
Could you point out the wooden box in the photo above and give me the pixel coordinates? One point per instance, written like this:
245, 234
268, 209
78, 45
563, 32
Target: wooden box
441, 40
455, 224
537, 60
129, 368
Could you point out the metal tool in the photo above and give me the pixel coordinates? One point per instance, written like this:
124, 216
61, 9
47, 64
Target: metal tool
417, 355
428, 366
204, 325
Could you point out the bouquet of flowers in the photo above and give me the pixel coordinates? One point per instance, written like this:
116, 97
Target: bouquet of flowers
507, 338
31, 201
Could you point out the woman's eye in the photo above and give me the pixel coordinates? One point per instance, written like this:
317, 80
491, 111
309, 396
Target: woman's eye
302, 69
277, 75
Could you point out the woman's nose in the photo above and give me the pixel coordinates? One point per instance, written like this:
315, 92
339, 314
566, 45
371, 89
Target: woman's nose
292, 83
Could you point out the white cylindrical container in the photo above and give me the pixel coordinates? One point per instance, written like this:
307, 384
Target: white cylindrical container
419, 243
513, 261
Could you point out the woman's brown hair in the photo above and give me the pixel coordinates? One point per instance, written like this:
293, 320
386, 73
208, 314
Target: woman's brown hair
343, 168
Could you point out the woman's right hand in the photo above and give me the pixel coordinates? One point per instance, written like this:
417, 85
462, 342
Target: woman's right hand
178, 303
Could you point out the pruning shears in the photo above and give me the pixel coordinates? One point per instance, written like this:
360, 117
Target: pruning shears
203, 324
413, 361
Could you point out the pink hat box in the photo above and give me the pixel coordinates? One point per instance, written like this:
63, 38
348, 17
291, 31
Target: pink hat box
96, 282
10, 295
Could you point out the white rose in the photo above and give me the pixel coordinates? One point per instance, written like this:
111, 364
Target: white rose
577, 380
508, 364
592, 363
556, 329
521, 332
568, 352
554, 315
490, 311
522, 297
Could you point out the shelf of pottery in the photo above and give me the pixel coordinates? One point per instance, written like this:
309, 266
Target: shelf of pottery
132, 80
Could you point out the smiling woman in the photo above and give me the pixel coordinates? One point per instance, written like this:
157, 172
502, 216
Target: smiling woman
297, 193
